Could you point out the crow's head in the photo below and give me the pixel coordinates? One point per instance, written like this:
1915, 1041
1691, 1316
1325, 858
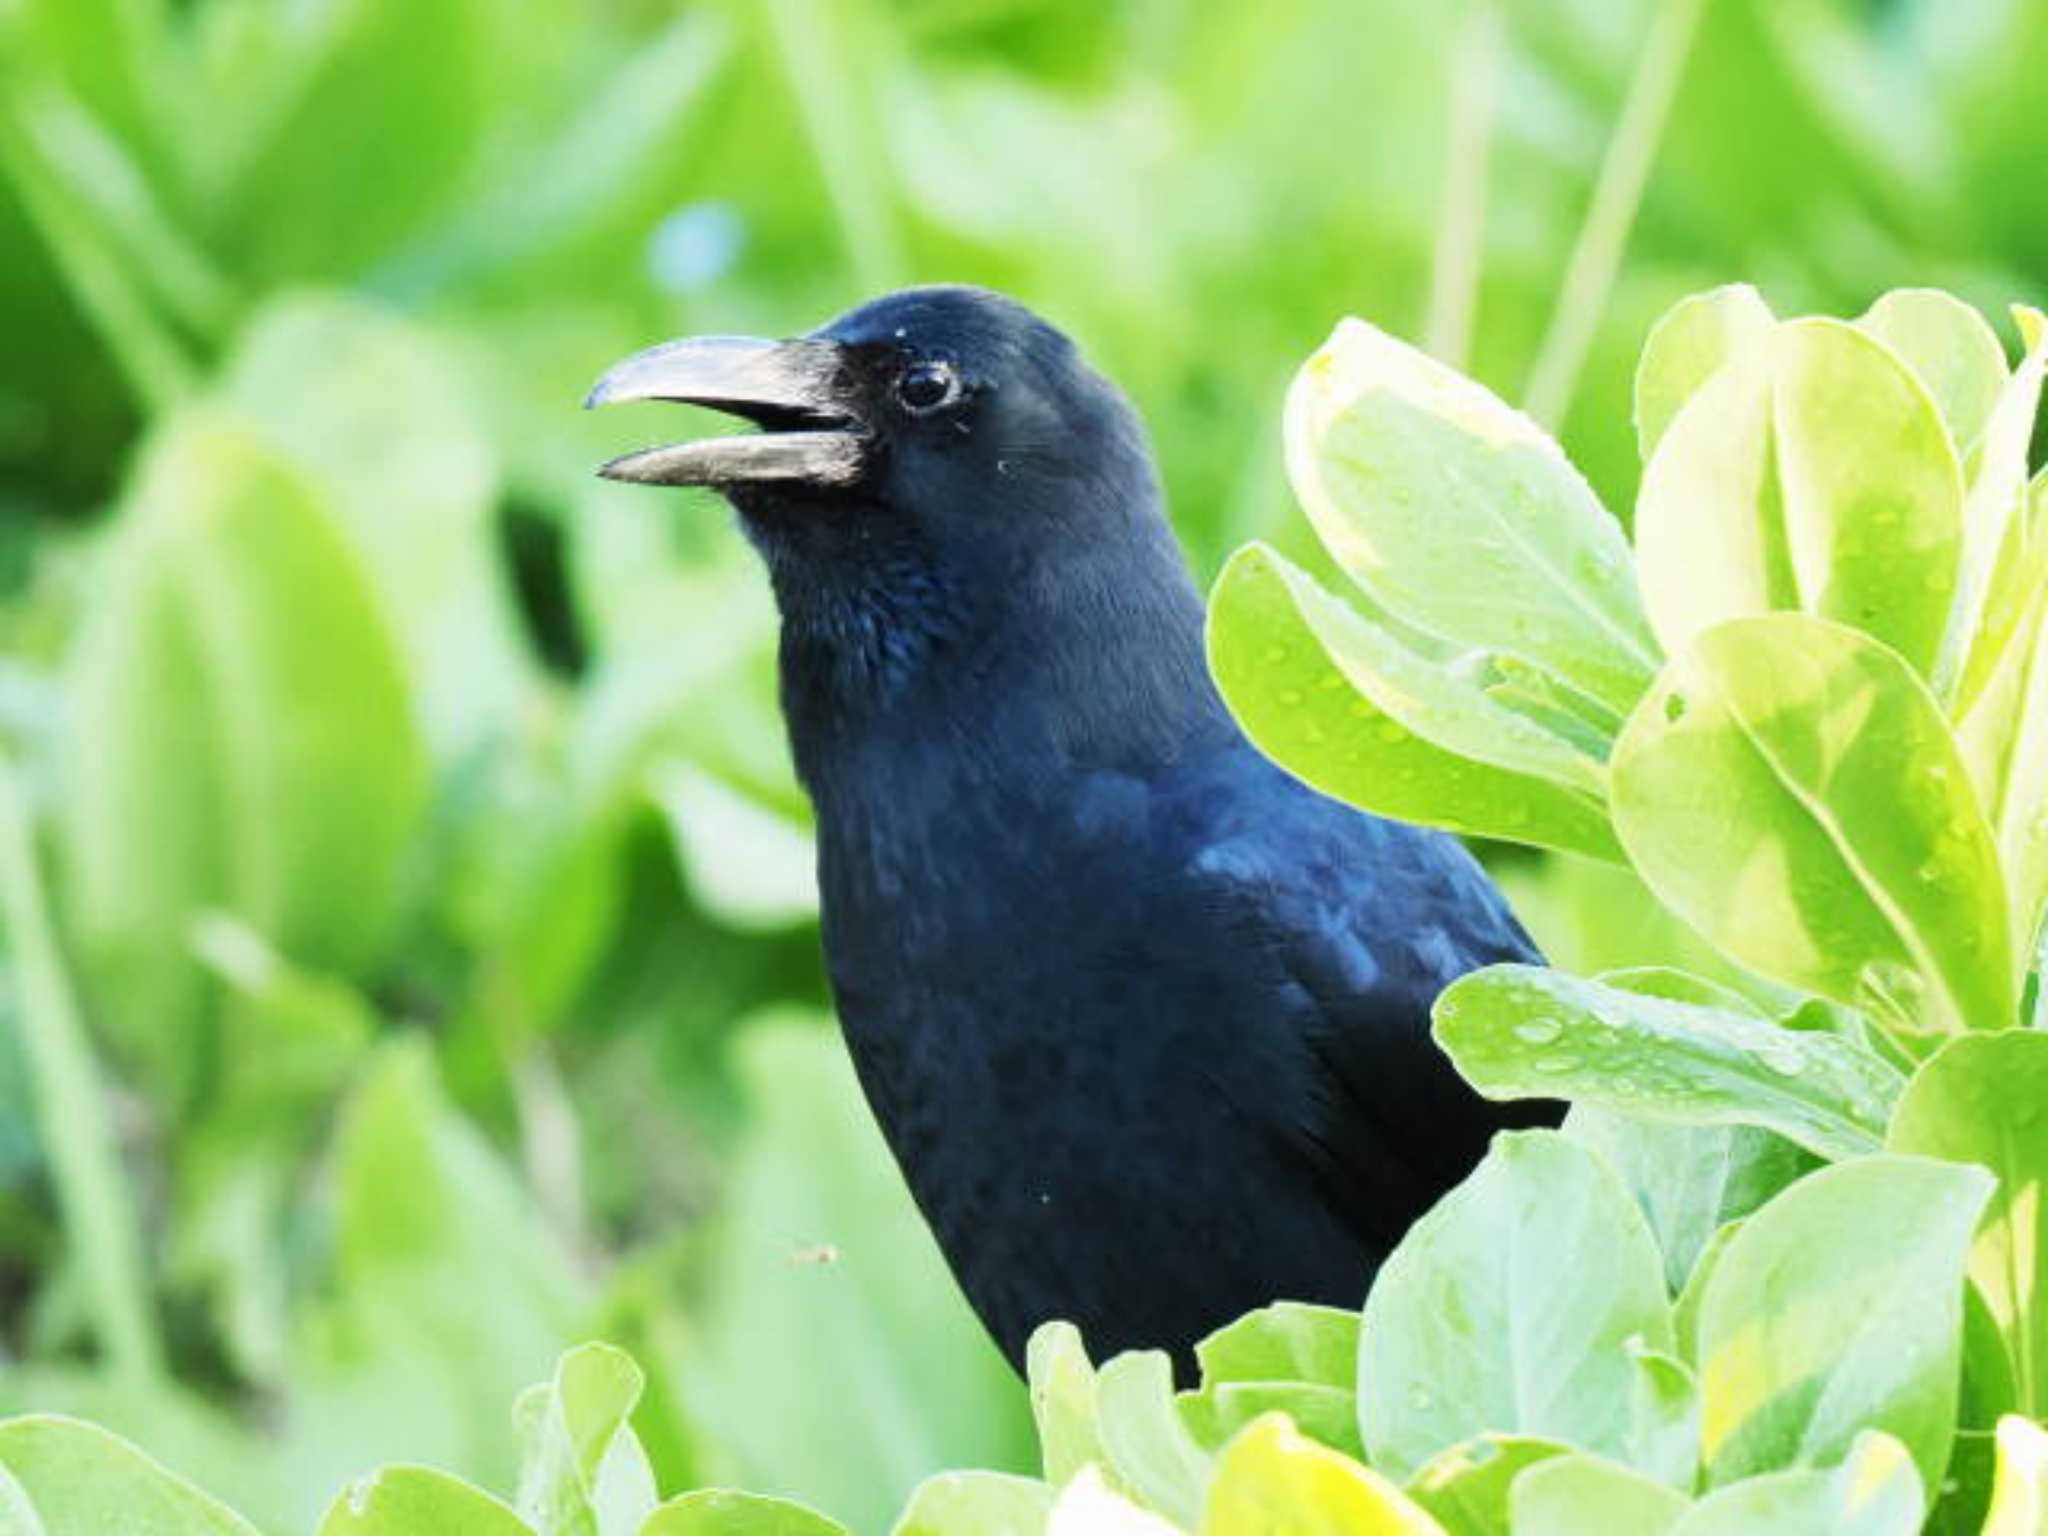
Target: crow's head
946, 424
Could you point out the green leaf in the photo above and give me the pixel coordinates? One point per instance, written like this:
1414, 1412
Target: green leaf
1541, 1251
583, 1471
1219, 1410
1978, 1100
722, 1512
1685, 1315
1063, 1401
1876, 1492
1519, 1031
75, 1479
240, 738
1689, 1180
1694, 340
1461, 515
380, 420
2019, 1490
1664, 1417
1997, 501
1149, 1447
1465, 1488
1838, 1308
1272, 1479
1344, 704
1790, 788
1288, 1341
1819, 477
409, 1501
1952, 349
977, 1504
1574, 1495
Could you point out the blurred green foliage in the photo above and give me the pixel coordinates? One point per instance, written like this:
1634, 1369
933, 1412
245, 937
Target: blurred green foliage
411, 810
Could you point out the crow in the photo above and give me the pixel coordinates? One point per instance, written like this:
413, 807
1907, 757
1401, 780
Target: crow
1144, 1020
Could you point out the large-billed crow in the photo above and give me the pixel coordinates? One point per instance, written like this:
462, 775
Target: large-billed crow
1144, 1019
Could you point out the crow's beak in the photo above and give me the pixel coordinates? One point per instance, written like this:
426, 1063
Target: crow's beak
798, 392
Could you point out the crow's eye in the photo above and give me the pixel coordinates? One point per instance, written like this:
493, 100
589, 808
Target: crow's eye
927, 386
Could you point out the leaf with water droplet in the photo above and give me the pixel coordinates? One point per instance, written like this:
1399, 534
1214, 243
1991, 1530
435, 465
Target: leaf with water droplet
1682, 1062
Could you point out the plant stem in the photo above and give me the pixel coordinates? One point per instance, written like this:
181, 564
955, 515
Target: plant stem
1461, 223
98, 1211
819, 60
1596, 255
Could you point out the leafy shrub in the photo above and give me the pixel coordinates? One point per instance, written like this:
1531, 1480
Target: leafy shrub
1778, 1271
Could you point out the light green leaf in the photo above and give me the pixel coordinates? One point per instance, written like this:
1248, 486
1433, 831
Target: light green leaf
17, 1516
1461, 515
723, 1512
1063, 1401
1819, 478
1664, 1417
1465, 1488
1979, 1100
747, 863
1685, 1315
1520, 1031
1875, 1492
1952, 349
977, 1504
583, 1471
1088, 1506
2019, 1490
1272, 1479
240, 738
1149, 1447
1219, 1410
78, 1480
1997, 500
1345, 705
1838, 1308
1790, 788
409, 1501
1576, 1495
1288, 1341
1689, 1180
1505, 1310
1693, 341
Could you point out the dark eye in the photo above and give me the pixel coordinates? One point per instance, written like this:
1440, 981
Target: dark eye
926, 386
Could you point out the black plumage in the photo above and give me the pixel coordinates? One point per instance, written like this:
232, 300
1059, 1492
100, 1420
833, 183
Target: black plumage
1144, 1019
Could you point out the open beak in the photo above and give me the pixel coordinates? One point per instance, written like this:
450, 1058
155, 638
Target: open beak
797, 392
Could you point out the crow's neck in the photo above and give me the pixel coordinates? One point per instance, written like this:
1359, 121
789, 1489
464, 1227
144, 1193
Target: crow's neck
903, 675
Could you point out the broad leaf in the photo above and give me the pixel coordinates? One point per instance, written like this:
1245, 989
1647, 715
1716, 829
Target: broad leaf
583, 1471
1694, 340
406, 1501
1518, 1031
240, 738
1574, 1495
1343, 703
1876, 1492
976, 1504
722, 1512
1088, 1506
1791, 789
1978, 1100
1952, 349
1664, 1417
1506, 1308
1838, 1308
1150, 1449
1272, 1479
1461, 515
1063, 1401
1814, 475
75, 1479
1465, 1489
1288, 1341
